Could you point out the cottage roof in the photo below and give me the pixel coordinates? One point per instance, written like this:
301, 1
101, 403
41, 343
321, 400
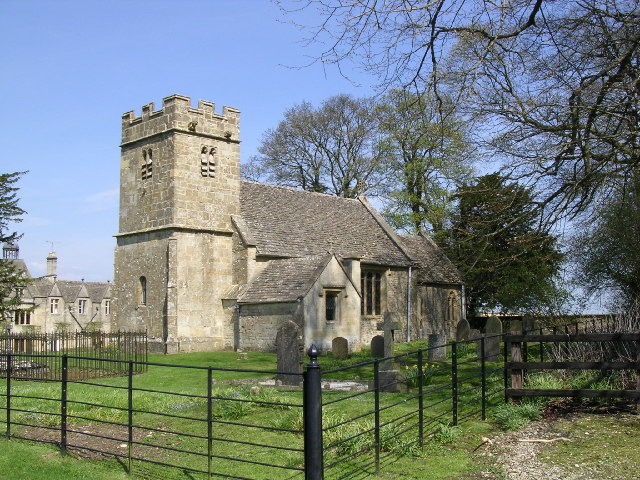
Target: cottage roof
285, 279
433, 265
286, 222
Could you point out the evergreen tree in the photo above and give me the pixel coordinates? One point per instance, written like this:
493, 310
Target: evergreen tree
506, 262
11, 278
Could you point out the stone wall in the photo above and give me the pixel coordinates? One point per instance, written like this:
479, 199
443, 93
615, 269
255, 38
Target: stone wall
258, 324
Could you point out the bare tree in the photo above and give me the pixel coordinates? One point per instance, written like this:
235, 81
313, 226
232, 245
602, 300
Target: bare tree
555, 84
332, 149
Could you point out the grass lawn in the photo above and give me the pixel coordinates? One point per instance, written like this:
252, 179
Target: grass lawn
171, 424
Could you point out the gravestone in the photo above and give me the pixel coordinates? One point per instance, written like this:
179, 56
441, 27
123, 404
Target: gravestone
388, 326
290, 352
463, 329
493, 332
377, 346
438, 340
340, 347
391, 379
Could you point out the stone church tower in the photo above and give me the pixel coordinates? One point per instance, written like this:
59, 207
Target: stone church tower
179, 187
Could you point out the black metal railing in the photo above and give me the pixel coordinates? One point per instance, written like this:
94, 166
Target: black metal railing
91, 354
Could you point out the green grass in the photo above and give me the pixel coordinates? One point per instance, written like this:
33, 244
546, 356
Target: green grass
446, 453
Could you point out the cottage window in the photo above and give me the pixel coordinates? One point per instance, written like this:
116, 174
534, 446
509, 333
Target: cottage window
82, 307
370, 286
107, 307
20, 317
54, 303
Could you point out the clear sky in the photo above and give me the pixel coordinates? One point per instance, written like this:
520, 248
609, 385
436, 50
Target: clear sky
71, 68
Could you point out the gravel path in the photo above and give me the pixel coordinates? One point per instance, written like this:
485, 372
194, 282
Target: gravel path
519, 458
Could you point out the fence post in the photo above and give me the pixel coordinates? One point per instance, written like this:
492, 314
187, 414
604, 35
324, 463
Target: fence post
376, 411
483, 374
638, 376
454, 383
130, 418
420, 399
209, 419
9, 373
516, 373
63, 406
507, 346
312, 414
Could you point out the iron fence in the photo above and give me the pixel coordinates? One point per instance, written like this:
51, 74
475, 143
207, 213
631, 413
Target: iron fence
91, 354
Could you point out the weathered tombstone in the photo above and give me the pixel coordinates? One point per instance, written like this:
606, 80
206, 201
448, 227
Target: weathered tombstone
340, 347
474, 334
463, 329
493, 332
439, 353
290, 352
388, 327
391, 380
377, 346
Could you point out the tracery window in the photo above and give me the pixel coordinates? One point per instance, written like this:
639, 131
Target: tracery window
371, 288
147, 164
207, 161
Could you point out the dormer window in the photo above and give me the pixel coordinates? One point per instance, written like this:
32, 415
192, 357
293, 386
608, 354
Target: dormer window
82, 307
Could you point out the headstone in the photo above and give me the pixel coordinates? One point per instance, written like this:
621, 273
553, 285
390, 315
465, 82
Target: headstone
437, 347
340, 347
463, 330
493, 332
474, 334
391, 379
290, 352
389, 327
377, 346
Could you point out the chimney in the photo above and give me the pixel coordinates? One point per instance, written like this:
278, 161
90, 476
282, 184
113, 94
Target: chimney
52, 266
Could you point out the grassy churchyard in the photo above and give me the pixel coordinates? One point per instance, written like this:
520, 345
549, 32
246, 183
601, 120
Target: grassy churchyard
174, 428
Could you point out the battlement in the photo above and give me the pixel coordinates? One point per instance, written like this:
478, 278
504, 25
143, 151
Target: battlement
178, 114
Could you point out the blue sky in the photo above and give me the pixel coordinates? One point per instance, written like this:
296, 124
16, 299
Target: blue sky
70, 69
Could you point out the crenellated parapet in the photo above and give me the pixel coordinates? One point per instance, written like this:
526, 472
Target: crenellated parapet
178, 115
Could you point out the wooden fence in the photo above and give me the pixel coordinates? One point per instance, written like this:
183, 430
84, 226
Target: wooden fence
518, 366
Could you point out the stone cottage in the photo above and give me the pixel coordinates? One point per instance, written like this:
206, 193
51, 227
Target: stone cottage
49, 305
206, 261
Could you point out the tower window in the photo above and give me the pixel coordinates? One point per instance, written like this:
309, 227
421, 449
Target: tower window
147, 164
207, 161
143, 291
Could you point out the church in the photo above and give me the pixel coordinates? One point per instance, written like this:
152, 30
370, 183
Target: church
206, 261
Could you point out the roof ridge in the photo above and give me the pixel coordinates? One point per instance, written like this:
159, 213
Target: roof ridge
299, 190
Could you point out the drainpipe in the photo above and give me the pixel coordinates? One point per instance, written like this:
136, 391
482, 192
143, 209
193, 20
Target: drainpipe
463, 304
409, 307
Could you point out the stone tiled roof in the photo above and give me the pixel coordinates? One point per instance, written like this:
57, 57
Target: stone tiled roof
285, 222
433, 265
284, 280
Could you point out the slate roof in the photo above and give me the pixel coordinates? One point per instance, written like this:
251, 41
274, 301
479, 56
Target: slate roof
286, 222
434, 266
285, 280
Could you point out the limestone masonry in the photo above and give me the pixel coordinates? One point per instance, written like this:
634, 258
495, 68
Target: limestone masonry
206, 261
